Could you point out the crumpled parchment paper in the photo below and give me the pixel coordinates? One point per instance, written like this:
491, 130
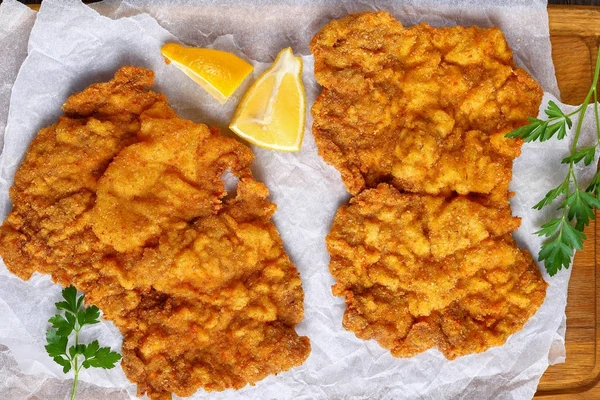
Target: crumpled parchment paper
16, 21
72, 46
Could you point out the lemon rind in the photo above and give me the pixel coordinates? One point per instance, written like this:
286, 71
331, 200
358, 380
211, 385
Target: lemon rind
205, 84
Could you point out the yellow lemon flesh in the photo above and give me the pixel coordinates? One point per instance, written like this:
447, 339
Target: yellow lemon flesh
273, 111
218, 72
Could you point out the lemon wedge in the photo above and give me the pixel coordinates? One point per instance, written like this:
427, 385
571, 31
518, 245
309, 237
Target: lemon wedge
272, 113
220, 73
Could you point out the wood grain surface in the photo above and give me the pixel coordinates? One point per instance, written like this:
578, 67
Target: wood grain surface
575, 33
575, 36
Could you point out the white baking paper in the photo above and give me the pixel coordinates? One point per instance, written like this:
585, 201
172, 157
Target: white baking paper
72, 46
16, 21
262, 28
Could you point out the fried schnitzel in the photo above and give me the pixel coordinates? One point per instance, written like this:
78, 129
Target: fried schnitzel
421, 271
54, 188
125, 200
425, 109
178, 167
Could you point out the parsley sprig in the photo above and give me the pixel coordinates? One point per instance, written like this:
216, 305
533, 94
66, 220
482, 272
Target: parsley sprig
564, 234
78, 355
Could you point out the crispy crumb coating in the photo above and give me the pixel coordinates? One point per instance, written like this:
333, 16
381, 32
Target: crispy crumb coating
421, 271
425, 109
125, 200
54, 189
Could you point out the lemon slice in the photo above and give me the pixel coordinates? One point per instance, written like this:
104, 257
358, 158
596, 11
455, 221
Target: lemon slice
218, 72
273, 111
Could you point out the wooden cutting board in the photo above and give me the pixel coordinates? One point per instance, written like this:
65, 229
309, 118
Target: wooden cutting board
575, 36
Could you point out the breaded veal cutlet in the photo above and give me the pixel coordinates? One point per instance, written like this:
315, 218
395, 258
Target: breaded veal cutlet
124, 200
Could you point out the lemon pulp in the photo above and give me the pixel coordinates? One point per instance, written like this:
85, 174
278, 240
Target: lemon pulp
272, 113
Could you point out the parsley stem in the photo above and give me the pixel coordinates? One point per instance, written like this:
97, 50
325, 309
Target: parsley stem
564, 234
572, 173
596, 71
585, 104
75, 366
596, 116
78, 355
75, 384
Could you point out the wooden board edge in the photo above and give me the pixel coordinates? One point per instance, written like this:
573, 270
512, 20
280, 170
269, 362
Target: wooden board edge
563, 19
567, 20
556, 12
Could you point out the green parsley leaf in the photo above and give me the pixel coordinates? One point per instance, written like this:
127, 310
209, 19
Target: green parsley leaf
565, 234
594, 184
572, 237
530, 132
70, 303
585, 153
80, 317
91, 349
552, 195
72, 351
552, 129
75, 317
550, 228
581, 207
562, 121
76, 349
63, 305
557, 252
541, 130
57, 344
64, 362
554, 112
63, 327
92, 315
102, 358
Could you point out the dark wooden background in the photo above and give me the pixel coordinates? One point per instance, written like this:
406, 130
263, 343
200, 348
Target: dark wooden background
574, 2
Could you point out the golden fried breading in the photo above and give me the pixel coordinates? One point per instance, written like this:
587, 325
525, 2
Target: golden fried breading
423, 108
125, 200
55, 187
229, 301
421, 271
177, 167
